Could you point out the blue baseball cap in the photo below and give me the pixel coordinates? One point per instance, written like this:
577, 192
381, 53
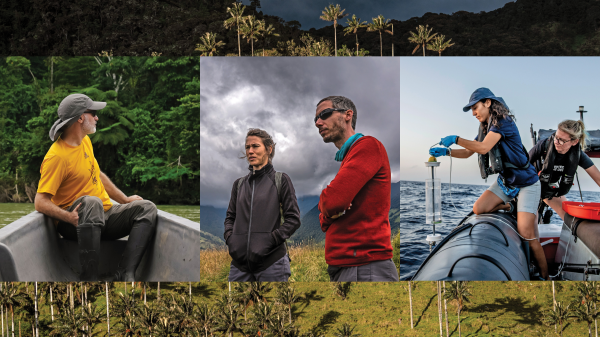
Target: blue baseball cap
482, 93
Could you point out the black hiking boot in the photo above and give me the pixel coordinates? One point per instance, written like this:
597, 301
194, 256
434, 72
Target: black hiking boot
88, 239
139, 238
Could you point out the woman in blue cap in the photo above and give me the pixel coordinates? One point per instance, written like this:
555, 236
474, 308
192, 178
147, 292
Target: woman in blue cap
500, 150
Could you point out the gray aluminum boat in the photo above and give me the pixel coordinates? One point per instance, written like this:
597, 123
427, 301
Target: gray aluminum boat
32, 250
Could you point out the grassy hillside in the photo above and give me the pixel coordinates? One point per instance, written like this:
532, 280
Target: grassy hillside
209, 241
372, 309
496, 308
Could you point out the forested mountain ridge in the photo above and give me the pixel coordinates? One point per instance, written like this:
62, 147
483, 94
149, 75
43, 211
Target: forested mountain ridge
212, 219
520, 28
86, 27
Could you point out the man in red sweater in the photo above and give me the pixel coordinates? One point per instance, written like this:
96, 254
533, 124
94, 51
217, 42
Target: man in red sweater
355, 205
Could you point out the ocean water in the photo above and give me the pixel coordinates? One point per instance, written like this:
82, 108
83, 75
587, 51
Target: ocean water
413, 247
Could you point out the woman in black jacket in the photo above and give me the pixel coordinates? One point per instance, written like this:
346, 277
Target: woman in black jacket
263, 212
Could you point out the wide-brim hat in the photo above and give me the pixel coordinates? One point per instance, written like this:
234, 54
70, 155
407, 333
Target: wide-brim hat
482, 93
69, 111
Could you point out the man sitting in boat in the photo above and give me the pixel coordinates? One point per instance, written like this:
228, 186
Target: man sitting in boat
73, 191
501, 151
355, 205
558, 157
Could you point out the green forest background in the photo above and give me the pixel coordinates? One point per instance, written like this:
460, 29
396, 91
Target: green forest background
147, 138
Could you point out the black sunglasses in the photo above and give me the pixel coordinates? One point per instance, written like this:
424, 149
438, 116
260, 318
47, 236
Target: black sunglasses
92, 112
326, 113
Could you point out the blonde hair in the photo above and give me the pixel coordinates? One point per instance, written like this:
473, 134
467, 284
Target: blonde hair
576, 130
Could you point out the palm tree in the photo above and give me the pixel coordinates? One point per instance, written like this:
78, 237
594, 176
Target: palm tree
589, 294
148, 315
380, 24
344, 51
92, 316
346, 331
333, 13
446, 310
236, 16
125, 309
438, 44
267, 31
557, 316
107, 308
286, 296
258, 291
206, 318
185, 314
228, 312
209, 44
10, 297
353, 25
68, 323
421, 37
263, 315
459, 291
439, 305
251, 29
241, 294
411, 307
587, 313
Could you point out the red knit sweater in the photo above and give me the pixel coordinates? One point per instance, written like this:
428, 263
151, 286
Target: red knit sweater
363, 234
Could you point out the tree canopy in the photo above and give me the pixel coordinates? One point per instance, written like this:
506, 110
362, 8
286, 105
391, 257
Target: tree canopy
147, 139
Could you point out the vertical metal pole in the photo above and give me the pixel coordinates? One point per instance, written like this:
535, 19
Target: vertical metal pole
433, 199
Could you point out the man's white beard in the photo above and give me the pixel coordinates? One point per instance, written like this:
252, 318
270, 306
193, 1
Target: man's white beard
88, 128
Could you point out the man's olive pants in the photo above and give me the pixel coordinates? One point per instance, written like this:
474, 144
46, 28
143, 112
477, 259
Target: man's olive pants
136, 219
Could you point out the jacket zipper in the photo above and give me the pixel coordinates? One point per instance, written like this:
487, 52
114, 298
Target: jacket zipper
250, 227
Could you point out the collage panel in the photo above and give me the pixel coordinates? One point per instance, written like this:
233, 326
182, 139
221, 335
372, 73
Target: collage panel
330, 126
99, 169
492, 191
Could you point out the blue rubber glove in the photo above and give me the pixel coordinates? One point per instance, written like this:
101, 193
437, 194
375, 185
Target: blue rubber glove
447, 141
438, 151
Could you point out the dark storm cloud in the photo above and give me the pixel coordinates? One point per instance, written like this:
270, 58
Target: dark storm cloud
307, 12
280, 95
412, 8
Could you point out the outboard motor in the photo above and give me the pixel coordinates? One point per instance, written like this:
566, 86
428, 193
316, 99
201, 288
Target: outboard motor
482, 247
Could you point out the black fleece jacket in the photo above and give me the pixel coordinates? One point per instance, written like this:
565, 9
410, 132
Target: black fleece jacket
252, 226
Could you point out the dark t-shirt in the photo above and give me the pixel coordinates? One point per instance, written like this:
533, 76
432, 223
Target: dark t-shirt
559, 159
512, 150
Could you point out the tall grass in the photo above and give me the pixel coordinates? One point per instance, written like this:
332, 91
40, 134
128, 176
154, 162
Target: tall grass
307, 262
307, 265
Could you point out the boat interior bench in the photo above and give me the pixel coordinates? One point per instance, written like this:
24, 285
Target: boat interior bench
32, 250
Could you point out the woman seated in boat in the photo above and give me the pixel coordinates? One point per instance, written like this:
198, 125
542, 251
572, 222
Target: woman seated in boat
263, 212
557, 158
501, 151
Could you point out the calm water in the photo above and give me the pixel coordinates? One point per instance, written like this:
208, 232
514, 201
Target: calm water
10, 212
413, 247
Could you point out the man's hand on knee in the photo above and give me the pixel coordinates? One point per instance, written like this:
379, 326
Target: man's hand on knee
133, 198
74, 216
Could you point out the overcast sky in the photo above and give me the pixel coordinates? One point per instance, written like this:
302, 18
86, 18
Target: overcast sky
412, 8
539, 90
307, 12
280, 95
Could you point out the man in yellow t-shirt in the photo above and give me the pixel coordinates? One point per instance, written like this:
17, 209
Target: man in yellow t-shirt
74, 191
